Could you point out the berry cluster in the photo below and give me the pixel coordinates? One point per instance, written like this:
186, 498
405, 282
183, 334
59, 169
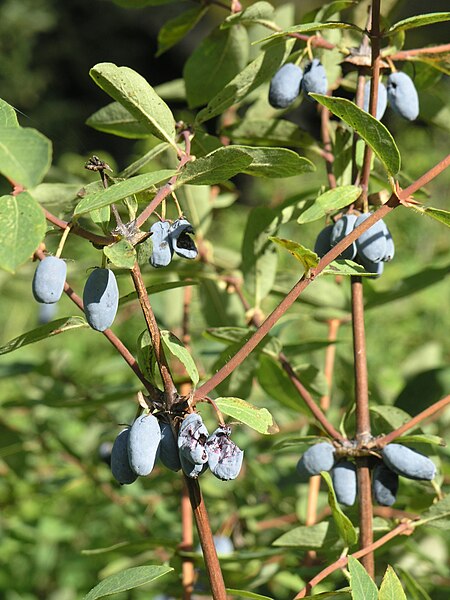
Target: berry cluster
290, 80
101, 293
136, 449
372, 249
169, 238
396, 460
401, 94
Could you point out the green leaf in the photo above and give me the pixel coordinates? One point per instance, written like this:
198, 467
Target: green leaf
362, 585
25, 155
142, 161
121, 254
391, 588
418, 21
320, 535
328, 10
438, 515
276, 162
8, 116
244, 594
308, 28
254, 74
345, 267
115, 119
443, 216
134, 93
121, 190
374, 133
174, 30
127, 580
337, 595
157, 287
218, 166
43, 332
173, 345
22, 229
146, 357
259, 11
391, 416
308, 258
267, 132
218, 58
343, 523
330, 201
259, 256
421, 438
259, 419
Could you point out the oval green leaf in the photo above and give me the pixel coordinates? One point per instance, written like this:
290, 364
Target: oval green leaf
374, 133
8, 116
391, 587
174, 30
362, 585
22, 229
121, 254
127, 580
259, 419
134, 93
307, 257
418, 21
173, 345
275, 162
43, 332
218, 166
117, 120
343, 523
25, 155
330, 201
121, 190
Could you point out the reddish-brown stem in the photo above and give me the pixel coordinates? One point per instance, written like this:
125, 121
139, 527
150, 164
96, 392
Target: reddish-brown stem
404, 528
153, 329
373, 99
407, 54
431, 410
206, 540
77, 230
330, 354
112, 337
187, 567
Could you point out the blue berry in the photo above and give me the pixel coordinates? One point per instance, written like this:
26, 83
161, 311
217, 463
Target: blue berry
143, 444
343, 475
168, 449
317, 458
408, 462
342, 228
120, 466
371, 244
101, 299
384, 485
314, 79
323, 241
402, 95
381, 102
49, 279
285, 85
181, 242
224, 457
162, 248
192, 439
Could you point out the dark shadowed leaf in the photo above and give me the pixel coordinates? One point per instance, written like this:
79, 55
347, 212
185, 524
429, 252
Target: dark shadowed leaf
174, 30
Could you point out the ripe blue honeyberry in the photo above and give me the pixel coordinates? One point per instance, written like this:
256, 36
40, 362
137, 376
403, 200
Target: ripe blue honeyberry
120, 466
376, 268
408, 462
319, 457
162, 248
47, 312
343, 475
384, 485
143, 444
181, 242
390, 247
224, 457
285, 85
341, 228
192, 440
192, 470
49, 279
402, 95
314, 79
381, 101
168, 449
323, 241
371, 244
101, 299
